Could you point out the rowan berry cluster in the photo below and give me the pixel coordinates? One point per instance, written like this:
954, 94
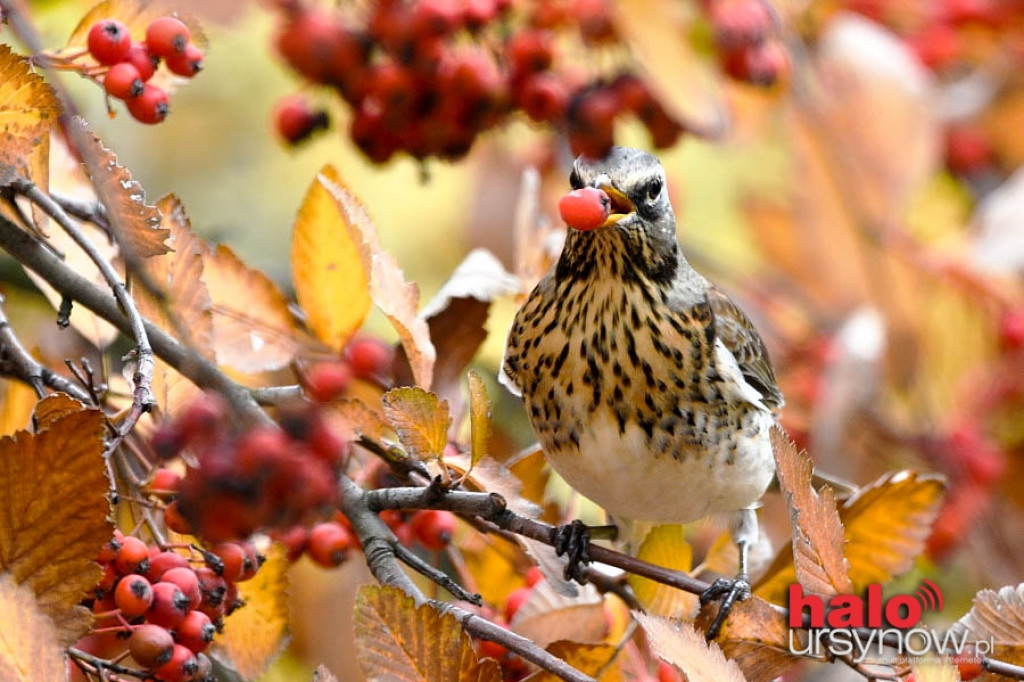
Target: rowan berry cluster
164, 606
264, 477
131, 64
749, 48
427, 77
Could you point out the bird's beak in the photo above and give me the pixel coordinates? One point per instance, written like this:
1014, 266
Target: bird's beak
621, 205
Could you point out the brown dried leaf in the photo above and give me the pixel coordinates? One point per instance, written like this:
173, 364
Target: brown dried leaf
55, 510
134, 222
253, 328
684, 647
328, 267
818, 541
665, 546
253, 636
755, 636
392, 294
136, 15
28, 108
29, 650
400, 642
53, 408
597, 660
996, 617
548, 616
357, 419
885, 525
420, 419
479, 418
322, 674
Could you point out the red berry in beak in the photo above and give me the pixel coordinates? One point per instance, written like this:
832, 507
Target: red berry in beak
585, 209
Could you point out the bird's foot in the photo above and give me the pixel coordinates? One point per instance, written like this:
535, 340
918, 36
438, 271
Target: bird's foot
573, 540
730, 592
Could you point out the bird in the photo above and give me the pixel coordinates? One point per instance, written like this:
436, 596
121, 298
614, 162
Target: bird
649, 389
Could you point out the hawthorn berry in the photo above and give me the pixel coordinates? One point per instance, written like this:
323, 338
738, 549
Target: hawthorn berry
530, 51
161, 562
123, 81
328, 544
164, 481
668, 673
369, 357
544, 97
109, 41
195, 631
316, 43
167, 37
133, 595
233, 558
151, 645
433, 528
169, 605
591, 119
187, 581
140, 57
585, 209
326, 381
533, 576
182, 665
187, 63
175, 521
515, 599
296, 120
111, 548
151, 106
1011, 330
133, 557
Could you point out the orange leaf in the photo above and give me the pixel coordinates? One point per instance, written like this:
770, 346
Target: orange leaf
817, 531
479, 418
253, 328
755, 636
597, 660
420, 419
16, 402
664, 546
27, 110
134, 222
392, 294
684, 647
29, 650
53, 408
400, 642
54, 519
328, 268
254, 635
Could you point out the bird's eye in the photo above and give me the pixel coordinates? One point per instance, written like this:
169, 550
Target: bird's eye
653, 190
574, 179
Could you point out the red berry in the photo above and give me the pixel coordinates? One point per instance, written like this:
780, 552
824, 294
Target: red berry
140, 57
668, 673
489, 649
585, 209
195, 631
187, 581
739, 23
167, 37
515, 599
186, 63
233, 558
296, 120
149, 107
533, 576
328, 544
204, 418
164, 481
594, 20
544, 97
967, 149
433, 528
316, 44
767, 63
326, 381
134, 595
530, 51
110, 550
161, 562
592, 123
169, 605
151, 645
109, 41
368, 133
294, 540
181, 666
133, 556
1011, 329
123, 81
108, 580
369, 357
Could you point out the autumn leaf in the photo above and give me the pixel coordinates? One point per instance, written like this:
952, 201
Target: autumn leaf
997, 616
597, 660
684, 647
885, 525
479, 418
328, 268
322, 674
400, 642
28, 108
136, 224
548, 616
818, 542
17, 399
664, 546
391, 293
254, 329
755, 636
253, 636
29, 650
53, 408
54, 519
420, 419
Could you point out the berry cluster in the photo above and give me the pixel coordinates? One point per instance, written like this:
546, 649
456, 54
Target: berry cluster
416, 84
163, 606
132, 64
748, 48
266, 476
365, 358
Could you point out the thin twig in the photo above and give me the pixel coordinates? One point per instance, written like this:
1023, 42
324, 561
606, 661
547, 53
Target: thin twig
409, 558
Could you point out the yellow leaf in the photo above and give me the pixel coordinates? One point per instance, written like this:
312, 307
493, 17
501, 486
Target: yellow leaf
134, 222
400, 642
818, 542
29, 650
664, 546
328, 270
391, 293
253, 328
684, 647
54, 513
495, 565
597, 660
16, 402
420, 419
27, 110
479, 418
255, 634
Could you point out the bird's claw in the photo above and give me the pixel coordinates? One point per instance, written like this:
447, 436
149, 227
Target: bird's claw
730, 592
573, 539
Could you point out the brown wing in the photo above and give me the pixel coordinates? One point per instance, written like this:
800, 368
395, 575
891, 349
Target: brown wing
741, 338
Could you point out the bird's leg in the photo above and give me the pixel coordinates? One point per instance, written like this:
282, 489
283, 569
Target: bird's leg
744, 533
573, 540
